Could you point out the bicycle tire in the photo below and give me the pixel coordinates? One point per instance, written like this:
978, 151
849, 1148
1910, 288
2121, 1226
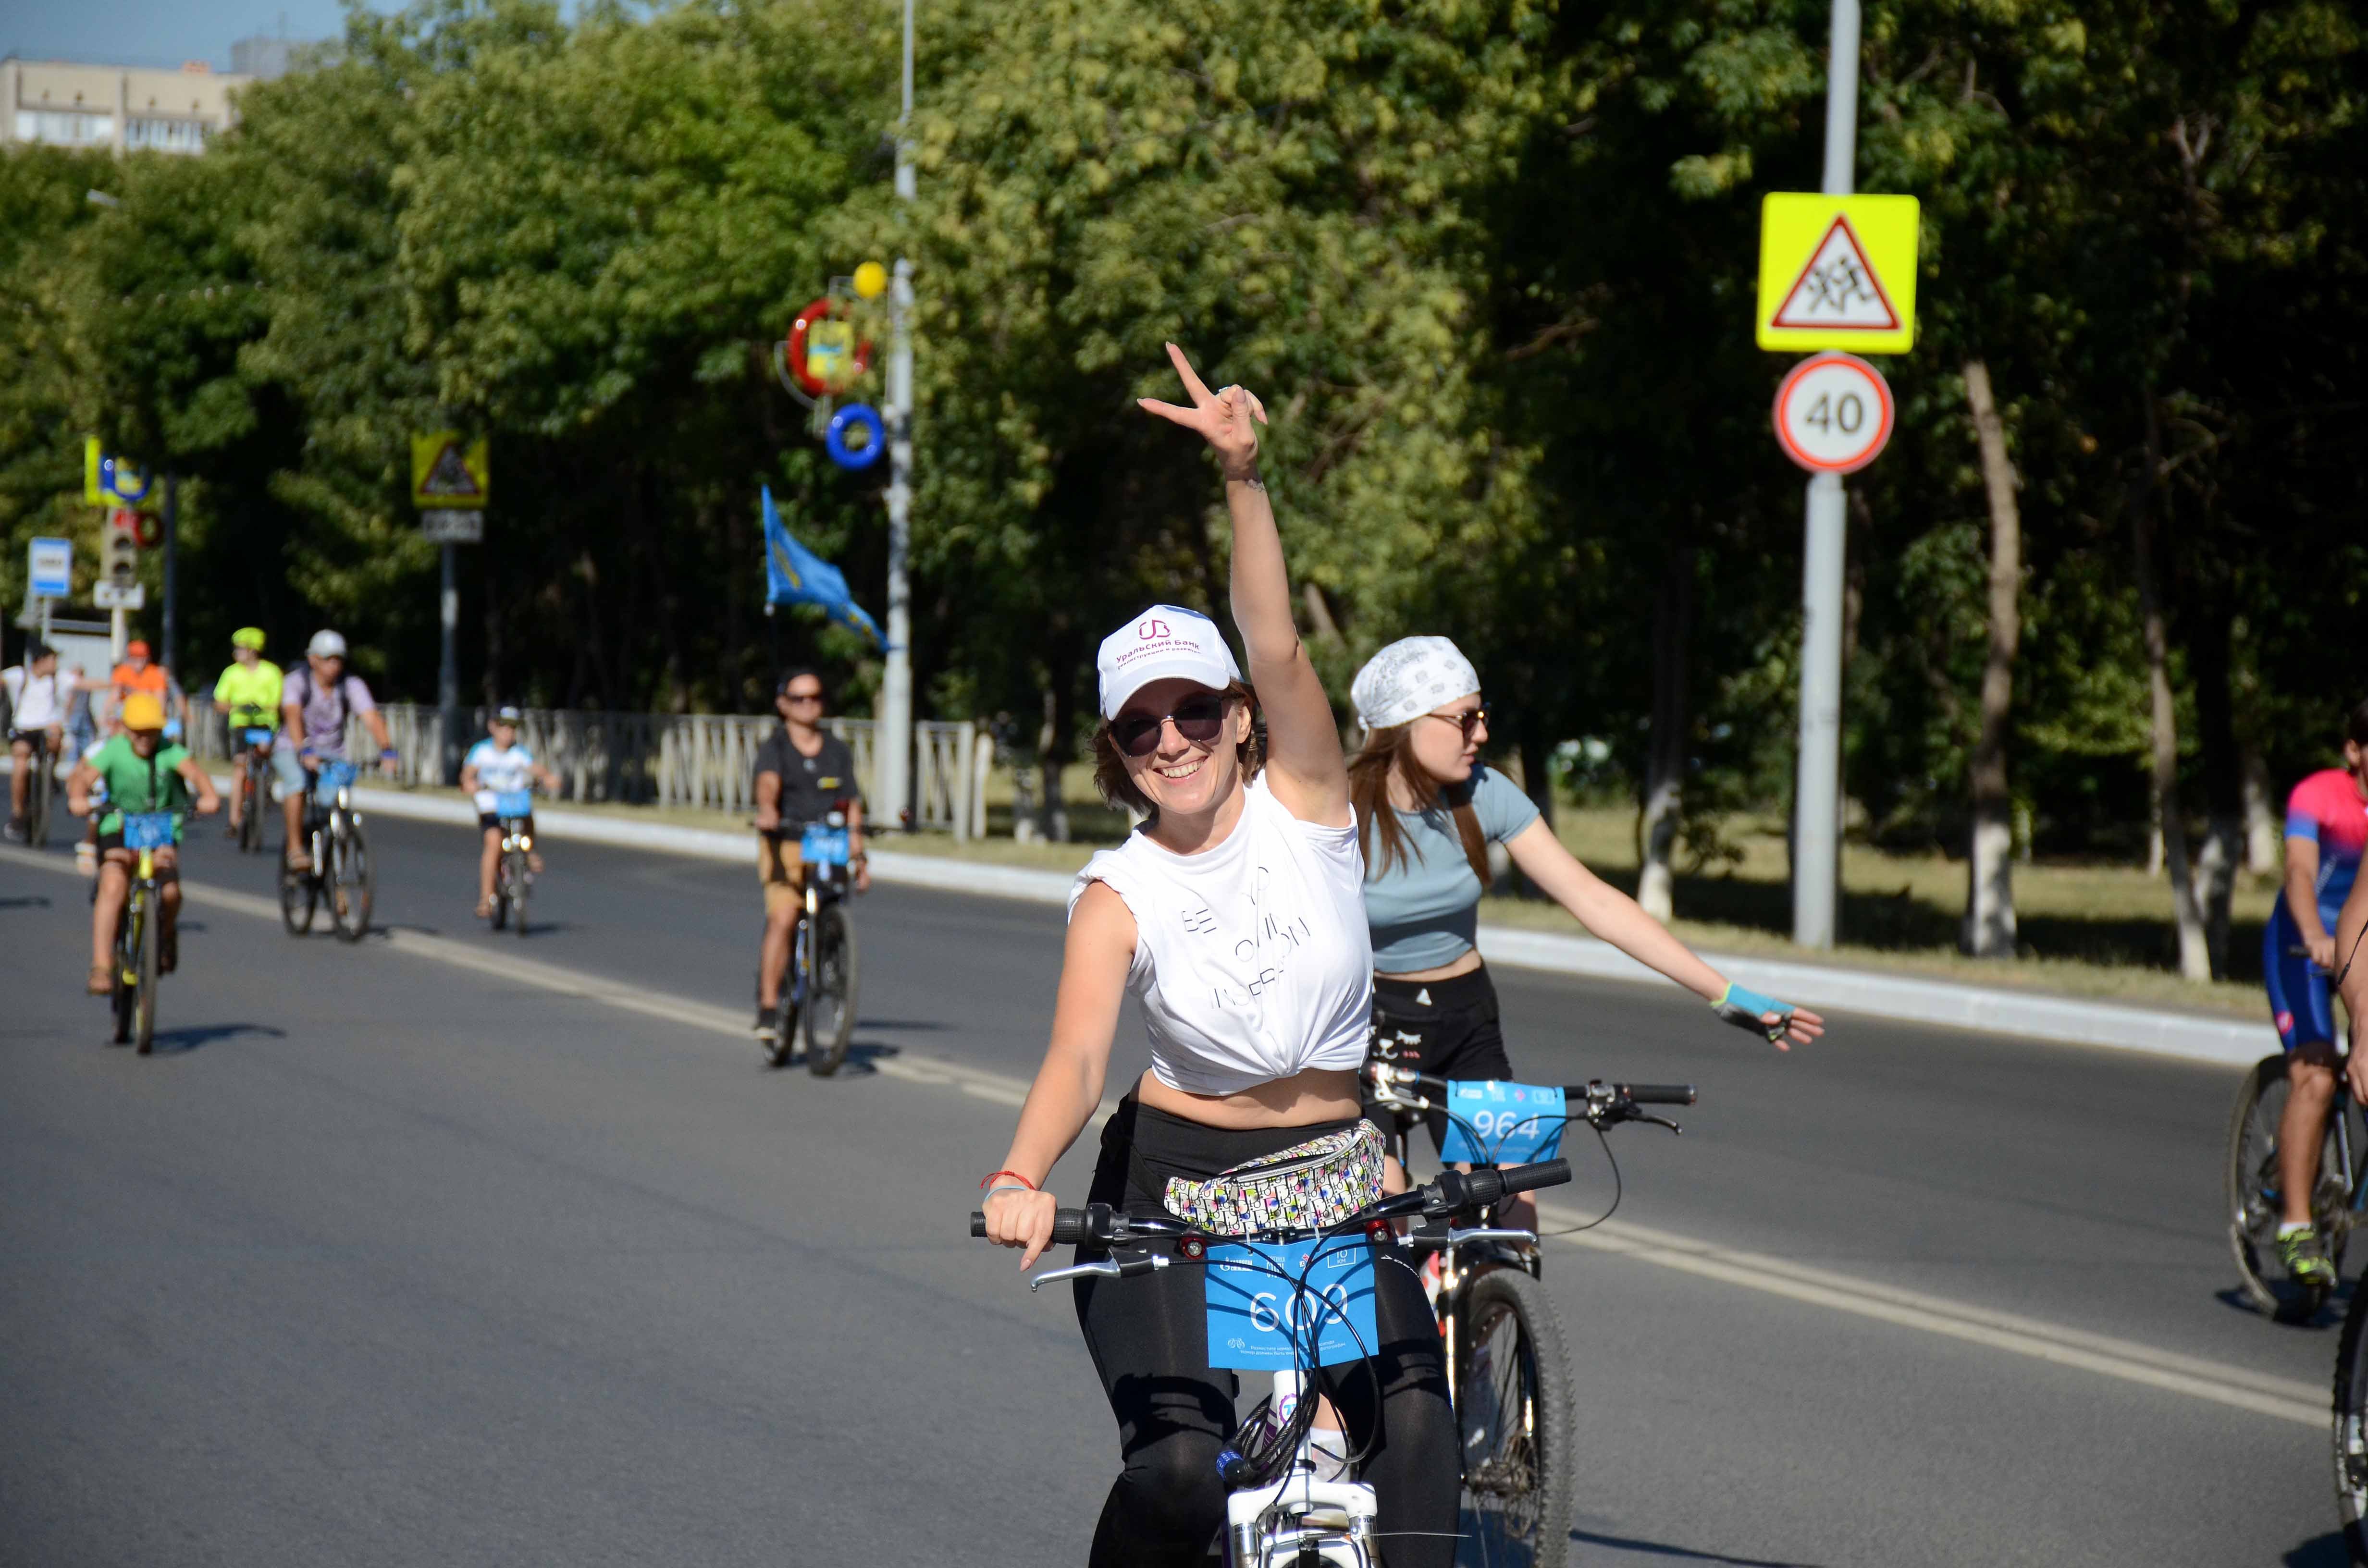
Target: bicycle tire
2350, 1428
300, 896
250, 826
2250, 1201
143, 1007
1516, 1420
519, 885
36, 797
353, 884
501, 910
830, 990
126, 961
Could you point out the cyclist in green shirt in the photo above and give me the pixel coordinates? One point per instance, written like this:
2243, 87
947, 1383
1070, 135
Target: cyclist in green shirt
141, 774
249, 692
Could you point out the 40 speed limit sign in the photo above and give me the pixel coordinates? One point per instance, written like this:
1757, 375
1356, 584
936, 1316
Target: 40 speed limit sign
1833, 413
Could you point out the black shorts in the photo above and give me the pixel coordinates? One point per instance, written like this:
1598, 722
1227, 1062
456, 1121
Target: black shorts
1444, 1028
488, 820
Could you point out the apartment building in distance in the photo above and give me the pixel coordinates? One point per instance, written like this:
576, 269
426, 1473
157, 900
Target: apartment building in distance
127, 108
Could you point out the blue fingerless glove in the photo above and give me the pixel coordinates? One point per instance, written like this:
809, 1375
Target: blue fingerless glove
1742, 1006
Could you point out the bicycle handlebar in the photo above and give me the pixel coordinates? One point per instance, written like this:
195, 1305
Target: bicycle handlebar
1100, 1224
1658, 1094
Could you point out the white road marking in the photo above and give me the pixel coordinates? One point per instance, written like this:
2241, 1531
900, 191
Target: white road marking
2219, 1383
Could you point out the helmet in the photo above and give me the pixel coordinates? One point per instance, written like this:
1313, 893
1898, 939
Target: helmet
507, 714
247, 637
326, 644
143, 711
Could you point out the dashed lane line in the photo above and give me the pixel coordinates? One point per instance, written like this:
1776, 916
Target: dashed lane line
2234, 1387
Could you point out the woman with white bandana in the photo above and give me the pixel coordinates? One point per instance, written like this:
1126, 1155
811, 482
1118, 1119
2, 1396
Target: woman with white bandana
1430, 809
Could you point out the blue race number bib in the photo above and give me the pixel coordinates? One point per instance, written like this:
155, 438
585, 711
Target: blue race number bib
1495, 1123
257, 737
1262, 1296
334, 775
823, 846
147, 830
514, 803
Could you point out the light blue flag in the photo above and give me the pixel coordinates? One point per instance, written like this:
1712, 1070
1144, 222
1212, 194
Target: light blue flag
796, 575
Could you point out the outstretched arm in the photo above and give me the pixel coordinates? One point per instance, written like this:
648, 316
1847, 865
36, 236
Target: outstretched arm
1611, 914
1310, 777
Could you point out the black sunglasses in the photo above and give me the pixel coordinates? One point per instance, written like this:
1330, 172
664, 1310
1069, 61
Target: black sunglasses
1467, 722
1200, 720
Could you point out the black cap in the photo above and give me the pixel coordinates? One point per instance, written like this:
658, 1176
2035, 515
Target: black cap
36, 649
781, 687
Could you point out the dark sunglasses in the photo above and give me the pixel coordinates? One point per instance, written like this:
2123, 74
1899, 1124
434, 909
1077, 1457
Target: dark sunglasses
802, 696
1200, 720
1467, 722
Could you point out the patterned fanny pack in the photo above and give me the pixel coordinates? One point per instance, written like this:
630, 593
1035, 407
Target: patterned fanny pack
1305, 1186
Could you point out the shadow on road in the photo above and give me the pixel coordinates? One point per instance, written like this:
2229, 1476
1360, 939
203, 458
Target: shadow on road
32, 901
2321, 1552
860, 1056
904, 1024
1681, 1553
2327, 1317
180, 1041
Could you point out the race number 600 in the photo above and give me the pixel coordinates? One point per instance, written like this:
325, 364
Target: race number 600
1833, 413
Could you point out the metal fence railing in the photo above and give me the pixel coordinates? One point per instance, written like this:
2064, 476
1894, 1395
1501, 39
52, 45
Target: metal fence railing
694, 761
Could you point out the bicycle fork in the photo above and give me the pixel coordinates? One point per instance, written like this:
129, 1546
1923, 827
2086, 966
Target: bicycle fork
1291, 1519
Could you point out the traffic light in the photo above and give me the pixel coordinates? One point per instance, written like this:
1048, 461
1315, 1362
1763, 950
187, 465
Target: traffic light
118, 554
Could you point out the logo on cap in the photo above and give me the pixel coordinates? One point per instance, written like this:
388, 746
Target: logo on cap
1154, 628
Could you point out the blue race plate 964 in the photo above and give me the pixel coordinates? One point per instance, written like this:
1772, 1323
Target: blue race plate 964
514, 803
1495, 1123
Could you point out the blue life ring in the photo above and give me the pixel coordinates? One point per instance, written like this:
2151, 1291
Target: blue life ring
834, 439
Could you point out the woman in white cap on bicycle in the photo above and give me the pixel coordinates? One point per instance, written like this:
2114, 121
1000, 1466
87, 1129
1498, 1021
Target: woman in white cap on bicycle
1234, 914
1430, 810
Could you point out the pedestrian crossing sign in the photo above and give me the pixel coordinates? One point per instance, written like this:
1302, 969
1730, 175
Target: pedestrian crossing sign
1836, 272
449, 471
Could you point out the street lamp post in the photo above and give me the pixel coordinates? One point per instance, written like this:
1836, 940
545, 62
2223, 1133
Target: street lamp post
895, 761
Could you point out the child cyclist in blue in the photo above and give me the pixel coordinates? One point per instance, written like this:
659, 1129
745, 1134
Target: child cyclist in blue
495, 767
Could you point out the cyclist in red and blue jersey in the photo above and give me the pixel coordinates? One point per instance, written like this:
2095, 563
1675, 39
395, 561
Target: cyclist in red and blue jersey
2327, 830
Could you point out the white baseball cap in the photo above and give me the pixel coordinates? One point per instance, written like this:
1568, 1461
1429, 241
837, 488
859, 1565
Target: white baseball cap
326, 644
1165, 643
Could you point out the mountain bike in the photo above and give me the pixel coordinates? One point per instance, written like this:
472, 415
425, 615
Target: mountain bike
2256, 1198
40, 788
1276, 1512
514, 872
255, 763
139, 931
819, 990
1509, 1367
341, 875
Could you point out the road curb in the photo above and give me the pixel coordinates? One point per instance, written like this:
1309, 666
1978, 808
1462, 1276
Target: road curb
2057, 1020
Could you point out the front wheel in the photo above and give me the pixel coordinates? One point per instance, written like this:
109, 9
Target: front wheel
1517, 1412
2352, 1428
513, 884
2255, 1201
299, 894
36, 797
830, 989
150, 925
250, 825
124, 998
352, 883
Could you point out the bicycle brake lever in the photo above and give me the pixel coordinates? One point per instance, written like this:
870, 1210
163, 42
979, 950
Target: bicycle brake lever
1108, 1268
1659, 1121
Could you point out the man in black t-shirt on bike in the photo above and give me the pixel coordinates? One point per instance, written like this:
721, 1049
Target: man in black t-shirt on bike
803, 772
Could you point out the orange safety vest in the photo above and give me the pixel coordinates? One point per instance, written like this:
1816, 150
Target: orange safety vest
129, 681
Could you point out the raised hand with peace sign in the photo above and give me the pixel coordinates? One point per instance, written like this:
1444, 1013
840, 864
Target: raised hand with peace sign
1221, 417
1307, 772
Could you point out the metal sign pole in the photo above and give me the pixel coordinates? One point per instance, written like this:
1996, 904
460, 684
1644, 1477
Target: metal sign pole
448, 674
894, 764
170, 653
1817, 797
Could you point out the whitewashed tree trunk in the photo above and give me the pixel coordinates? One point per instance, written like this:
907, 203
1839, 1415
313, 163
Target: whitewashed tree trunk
2194, 953
2264, 849
1665, 769
1989, 866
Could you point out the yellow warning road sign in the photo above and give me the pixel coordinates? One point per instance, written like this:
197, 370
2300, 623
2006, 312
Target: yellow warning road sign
448, 470
1836, 272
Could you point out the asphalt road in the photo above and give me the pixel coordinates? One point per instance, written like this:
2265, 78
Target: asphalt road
419, 1252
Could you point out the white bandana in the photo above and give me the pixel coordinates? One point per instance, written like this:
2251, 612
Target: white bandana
1408, 679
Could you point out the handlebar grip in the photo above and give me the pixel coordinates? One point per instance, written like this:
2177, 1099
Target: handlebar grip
1478, 1189
1546, 1173
1070, 1226
977, 1223
1660, 1094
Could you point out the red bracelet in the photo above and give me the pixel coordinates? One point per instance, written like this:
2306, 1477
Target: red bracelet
1014, 1175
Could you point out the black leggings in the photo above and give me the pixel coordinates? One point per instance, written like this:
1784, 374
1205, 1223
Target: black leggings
1150, 1343
1444, 1028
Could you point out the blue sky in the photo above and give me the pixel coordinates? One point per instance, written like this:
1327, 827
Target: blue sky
156, 32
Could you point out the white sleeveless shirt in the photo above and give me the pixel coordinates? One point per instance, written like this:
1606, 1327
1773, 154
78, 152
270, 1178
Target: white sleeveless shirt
1252, 959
